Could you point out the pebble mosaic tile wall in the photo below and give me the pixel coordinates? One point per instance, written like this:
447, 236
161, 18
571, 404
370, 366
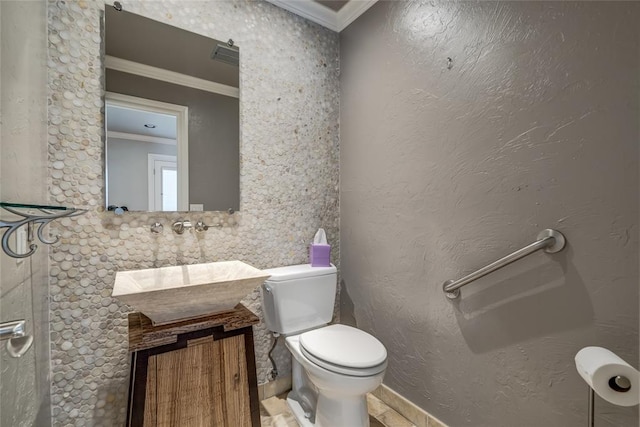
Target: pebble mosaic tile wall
289, 184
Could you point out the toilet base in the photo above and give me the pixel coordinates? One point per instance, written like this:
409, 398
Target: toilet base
342, 411
333, 412
298, 412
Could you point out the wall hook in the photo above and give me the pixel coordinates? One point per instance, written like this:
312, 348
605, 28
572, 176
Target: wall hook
449, 63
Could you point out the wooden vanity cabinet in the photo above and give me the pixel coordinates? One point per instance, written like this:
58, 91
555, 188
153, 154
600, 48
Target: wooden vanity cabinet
195, 373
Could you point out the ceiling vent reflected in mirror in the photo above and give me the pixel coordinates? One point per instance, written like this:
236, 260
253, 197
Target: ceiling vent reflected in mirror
226, 53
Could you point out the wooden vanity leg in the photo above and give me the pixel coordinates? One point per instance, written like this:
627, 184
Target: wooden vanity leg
137, 388
254, 402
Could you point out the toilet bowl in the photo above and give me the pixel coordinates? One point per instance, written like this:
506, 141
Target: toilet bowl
341, 390
334, 366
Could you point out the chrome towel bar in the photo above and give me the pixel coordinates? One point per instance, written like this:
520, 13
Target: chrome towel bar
13, 329
551, 241
18, 342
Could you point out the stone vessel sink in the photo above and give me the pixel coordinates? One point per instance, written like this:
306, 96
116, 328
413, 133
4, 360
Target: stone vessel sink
168, 294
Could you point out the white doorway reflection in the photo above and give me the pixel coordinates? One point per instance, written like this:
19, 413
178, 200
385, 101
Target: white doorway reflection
163, 183
147, 155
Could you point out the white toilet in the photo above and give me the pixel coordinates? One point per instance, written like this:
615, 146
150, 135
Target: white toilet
334, 366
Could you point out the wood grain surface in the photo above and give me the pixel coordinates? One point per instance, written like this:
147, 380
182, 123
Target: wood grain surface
194, 373
199, 386
143, 334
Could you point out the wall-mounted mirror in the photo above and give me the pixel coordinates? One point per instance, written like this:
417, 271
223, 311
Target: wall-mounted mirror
172, 117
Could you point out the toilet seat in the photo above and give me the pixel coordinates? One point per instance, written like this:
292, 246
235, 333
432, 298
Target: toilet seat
344, 350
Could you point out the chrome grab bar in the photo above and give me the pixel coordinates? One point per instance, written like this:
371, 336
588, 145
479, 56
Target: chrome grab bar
14, 329
551, 241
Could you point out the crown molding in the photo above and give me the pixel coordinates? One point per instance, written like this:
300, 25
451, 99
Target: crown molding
140, 138
313, 11
155, 73
351, 11
310, 10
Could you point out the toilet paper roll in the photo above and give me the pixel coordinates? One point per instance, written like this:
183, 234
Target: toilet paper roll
599, 366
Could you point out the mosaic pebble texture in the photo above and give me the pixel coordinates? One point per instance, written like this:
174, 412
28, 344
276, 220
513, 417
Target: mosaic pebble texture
289, 185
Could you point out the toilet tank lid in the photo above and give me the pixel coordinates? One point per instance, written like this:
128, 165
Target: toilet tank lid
291, 272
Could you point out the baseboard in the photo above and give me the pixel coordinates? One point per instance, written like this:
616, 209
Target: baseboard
406, 408
275, 387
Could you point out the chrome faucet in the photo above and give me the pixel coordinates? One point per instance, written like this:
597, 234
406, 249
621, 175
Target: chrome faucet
181, 225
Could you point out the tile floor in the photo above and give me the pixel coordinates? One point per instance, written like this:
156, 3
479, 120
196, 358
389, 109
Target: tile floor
274, 412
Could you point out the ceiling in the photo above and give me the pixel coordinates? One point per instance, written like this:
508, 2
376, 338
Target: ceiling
333, 14
129, 121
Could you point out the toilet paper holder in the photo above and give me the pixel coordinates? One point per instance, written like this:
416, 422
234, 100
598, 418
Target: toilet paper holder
619, 383
608, 375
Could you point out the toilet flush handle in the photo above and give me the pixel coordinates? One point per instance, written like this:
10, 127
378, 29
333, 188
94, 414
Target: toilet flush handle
267, 288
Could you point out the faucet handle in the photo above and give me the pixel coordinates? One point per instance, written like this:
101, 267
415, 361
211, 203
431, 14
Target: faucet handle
201, 226
156, 228
180, 225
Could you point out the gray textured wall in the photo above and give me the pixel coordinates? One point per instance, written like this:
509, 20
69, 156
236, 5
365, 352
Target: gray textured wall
24, 382
288, 181
443, 171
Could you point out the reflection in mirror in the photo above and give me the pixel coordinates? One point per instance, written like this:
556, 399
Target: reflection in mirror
171, 114
144, 132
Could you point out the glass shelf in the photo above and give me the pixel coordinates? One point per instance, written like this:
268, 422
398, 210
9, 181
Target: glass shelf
33, 221
46, 207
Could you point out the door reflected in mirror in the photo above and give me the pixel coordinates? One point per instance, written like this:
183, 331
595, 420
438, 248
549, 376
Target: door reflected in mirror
172, 117
147, 144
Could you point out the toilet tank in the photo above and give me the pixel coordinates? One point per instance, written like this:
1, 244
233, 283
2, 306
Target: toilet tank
298, 297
